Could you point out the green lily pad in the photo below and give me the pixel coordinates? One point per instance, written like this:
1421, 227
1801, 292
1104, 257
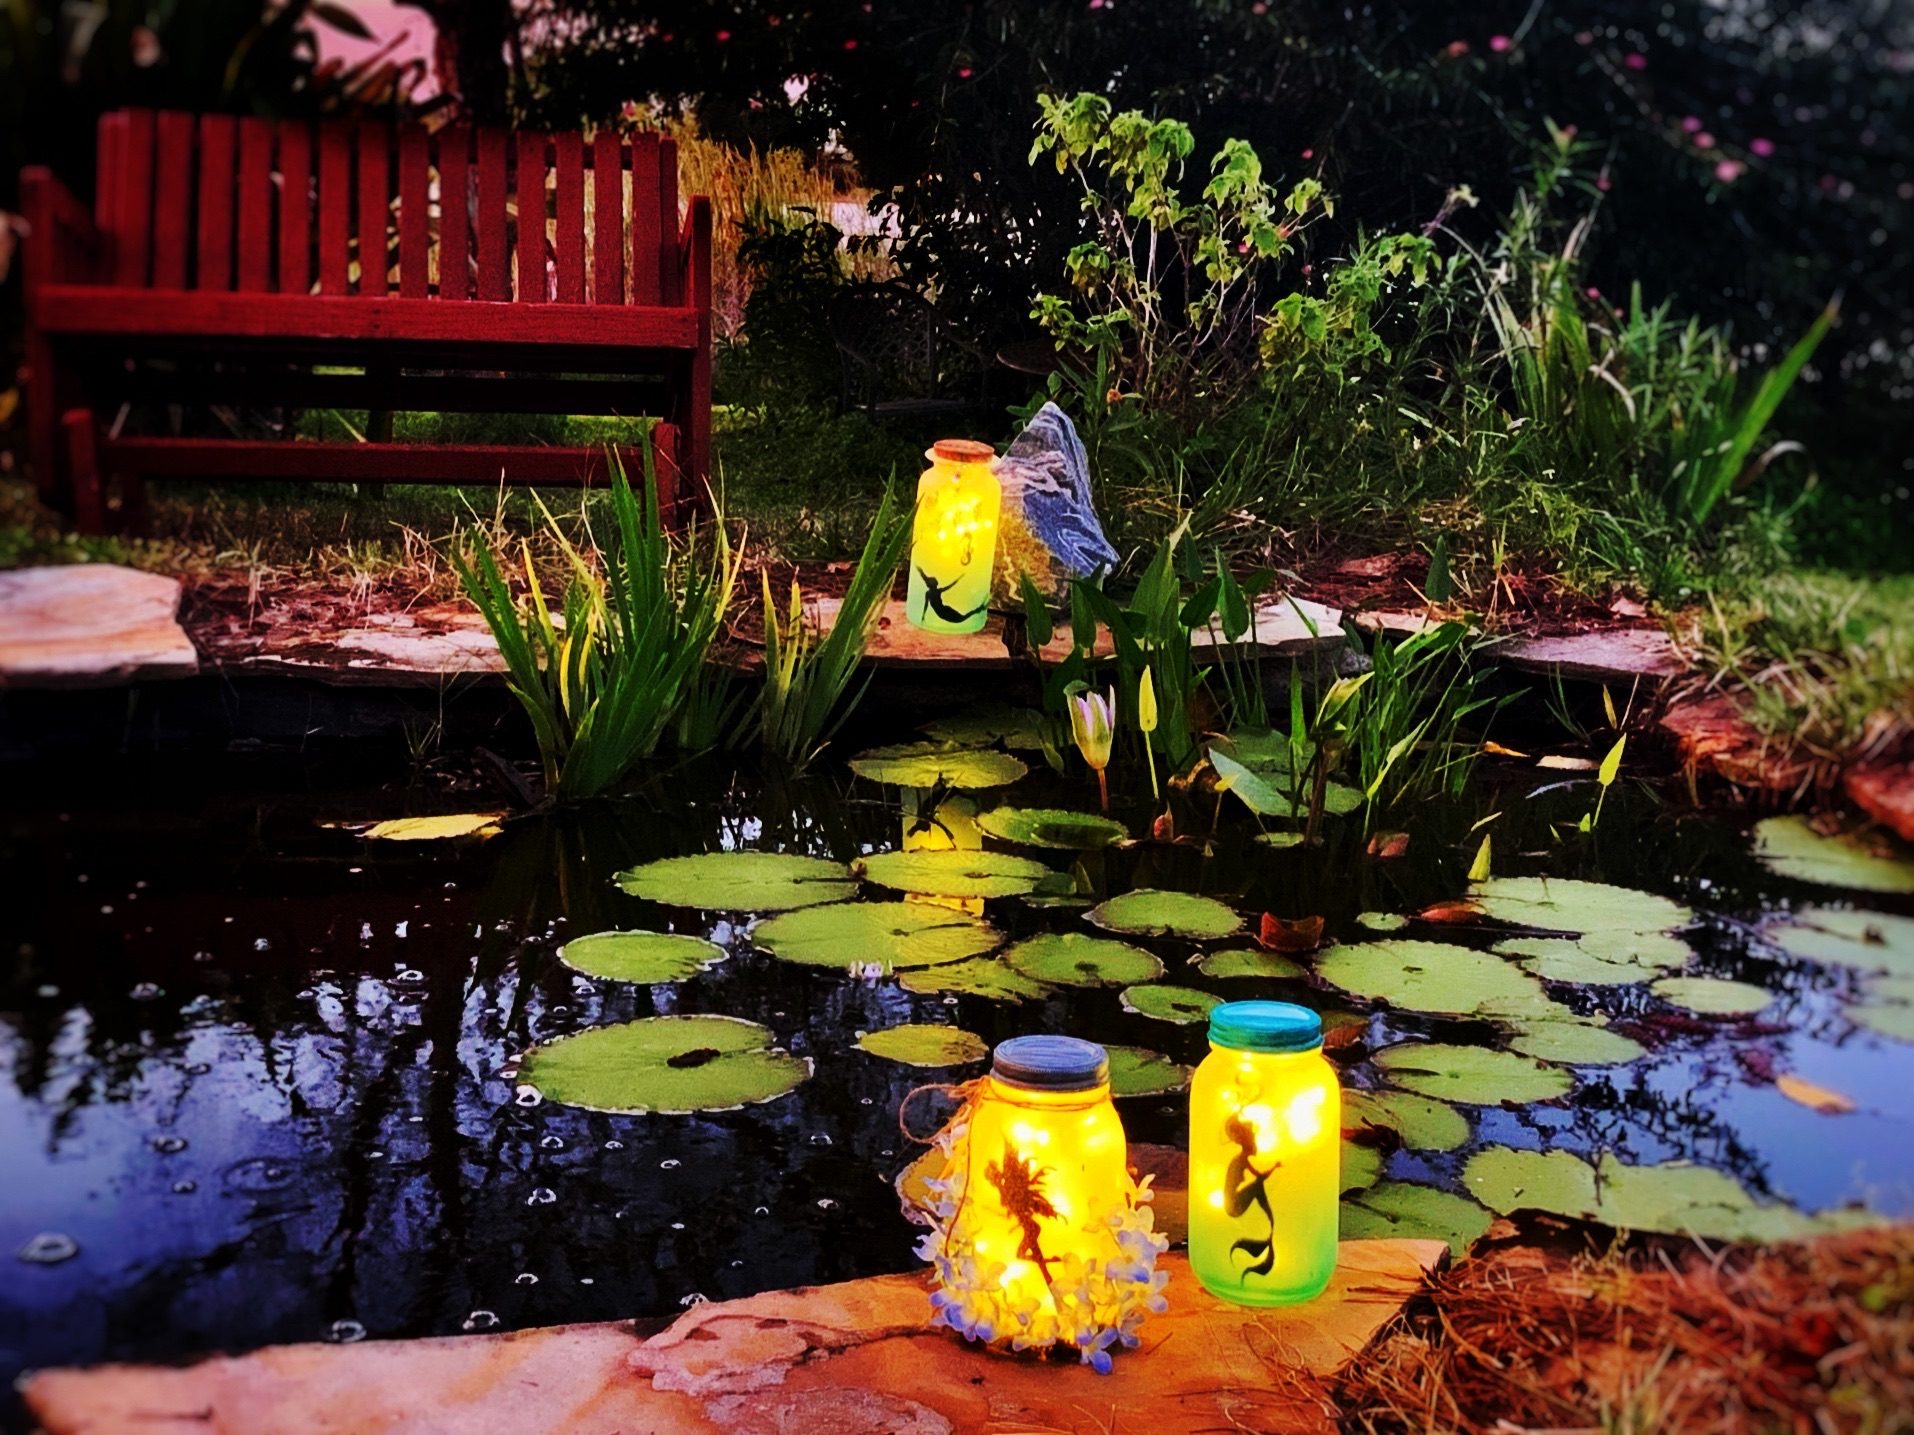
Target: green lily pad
1559, 904
1361, 1167
986, 977
1674, 1198
932, 764
920, 1044
740, 881
1893, 1019
1574, 1043
1866, 941
665, 1064
1053, 827
1473, 1075
1166, 1003
1267, 796
1712, 996
1505, 1179
1381, 921
1270, 966
888, 935
1563, 959
1138, 1071
1790, 847
1423, 1124
953, 874
1281, 841
1147, 912
1074, 959
1407, 1211
989, 723
1425, 976
1657, 951
1529, 1007
647, 957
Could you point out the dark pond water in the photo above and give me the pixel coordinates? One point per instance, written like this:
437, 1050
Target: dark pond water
250, 1064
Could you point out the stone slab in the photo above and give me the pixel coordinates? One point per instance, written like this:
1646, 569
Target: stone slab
1884, 790
850, 1359
90, 625
425, 647
1606, 655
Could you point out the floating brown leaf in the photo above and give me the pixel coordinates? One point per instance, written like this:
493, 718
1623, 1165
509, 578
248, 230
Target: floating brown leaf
1305, 934
1815, 1098
1389, 844
1451, 913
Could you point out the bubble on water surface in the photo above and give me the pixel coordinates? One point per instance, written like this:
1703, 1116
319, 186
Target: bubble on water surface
526, 1278
528, 1096
185, 1188
552, 1143
481, 1320
410, 977
262, 944
677, 1225
146, 991
258, 1175
345, 1332
541, 1196
695, 1298
202, 956
198, 1068
49, 1248
670, 1163
168, 1145
820, 1139
614, 1145
762, 1211
825, 1203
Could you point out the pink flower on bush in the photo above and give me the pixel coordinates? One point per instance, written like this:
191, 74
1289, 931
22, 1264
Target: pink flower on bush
1635, 60
1456, 49
1729, 170
723, 35
1593, 292
1704, 140
1500, 43
1690, 123
1762, 148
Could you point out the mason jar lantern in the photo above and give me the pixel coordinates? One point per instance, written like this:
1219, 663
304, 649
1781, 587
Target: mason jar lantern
954, 538
1265, 1156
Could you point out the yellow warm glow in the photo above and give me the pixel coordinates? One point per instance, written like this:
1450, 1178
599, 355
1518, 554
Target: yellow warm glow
953, 544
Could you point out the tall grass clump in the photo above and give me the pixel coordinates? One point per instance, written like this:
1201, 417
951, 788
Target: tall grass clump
807, 678
603, 682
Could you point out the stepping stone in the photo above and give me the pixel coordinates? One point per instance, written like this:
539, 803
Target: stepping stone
851, 1359
419, 648
1885, 792
90, 625
1612, 655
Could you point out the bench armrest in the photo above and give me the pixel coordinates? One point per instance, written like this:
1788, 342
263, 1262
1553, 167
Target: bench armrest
63, 243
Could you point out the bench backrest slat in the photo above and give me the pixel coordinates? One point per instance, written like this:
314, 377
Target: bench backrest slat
568, 238
173, 202
255, 205
214, 202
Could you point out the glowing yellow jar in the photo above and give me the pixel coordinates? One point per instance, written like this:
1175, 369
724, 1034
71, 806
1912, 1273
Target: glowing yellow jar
1040, 1236
954, 538
1265, 1156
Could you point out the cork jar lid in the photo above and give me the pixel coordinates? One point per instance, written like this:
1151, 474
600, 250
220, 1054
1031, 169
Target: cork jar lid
962, 450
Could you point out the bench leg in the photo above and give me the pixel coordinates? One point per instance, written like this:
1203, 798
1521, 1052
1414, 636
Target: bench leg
83, 471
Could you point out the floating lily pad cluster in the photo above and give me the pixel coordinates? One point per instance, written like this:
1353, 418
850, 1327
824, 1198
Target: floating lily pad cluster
671, 1065
1877, 946
1791, 847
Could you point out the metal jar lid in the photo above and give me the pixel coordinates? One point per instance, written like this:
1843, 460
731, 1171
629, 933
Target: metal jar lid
1265, 1026
1050, 1063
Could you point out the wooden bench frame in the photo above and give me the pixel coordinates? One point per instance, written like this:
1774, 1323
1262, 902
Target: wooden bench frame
241, 260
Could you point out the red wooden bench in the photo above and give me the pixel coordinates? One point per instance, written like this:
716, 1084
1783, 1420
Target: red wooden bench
242, 261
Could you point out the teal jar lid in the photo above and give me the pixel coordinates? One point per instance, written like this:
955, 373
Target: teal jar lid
1265, 1026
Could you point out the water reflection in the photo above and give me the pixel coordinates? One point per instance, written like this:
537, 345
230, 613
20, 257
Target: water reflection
256, 1075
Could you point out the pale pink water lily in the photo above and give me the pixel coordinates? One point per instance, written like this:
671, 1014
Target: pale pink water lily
1093, 725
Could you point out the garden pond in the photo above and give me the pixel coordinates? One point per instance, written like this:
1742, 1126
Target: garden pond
268, 1076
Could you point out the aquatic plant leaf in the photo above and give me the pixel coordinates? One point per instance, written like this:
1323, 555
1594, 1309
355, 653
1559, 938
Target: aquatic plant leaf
665, 1064
1426, 976
1675, 1198
986, 977
1575, 1043
1658, 951
1563, 959
1075, 959
887, 935
1167, 1003
1790, 847
924, 1044
1053, 827
1866, 941
1138, 1071
1712, 996
1824, 1099
1361, 1167
931, 764
1407, 1211
435, 829
1505, 1179
1265, 797
1561, 904
953, 874
1893, 1019
1473, 1075
1422, 1123
1381, 921
647, 957
1529, 1007
1269, 966
1281, 841
1152, 913
1279, 934
989, 723
740, 881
